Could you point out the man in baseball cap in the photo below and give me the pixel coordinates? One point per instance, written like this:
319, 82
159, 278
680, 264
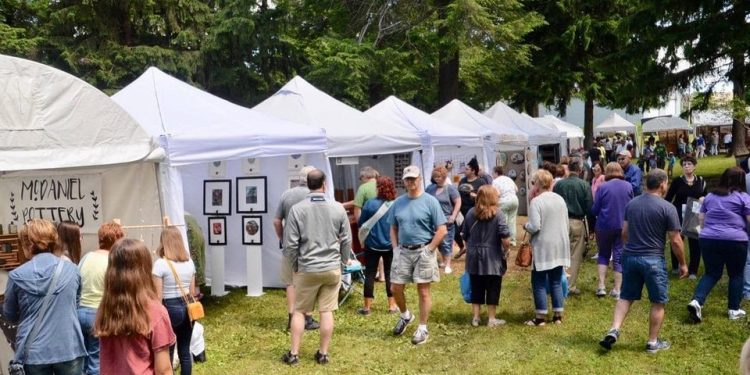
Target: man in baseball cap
417, 228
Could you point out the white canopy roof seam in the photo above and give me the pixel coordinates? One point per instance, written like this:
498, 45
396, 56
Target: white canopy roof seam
538, 133
665, 123
349, 132
50, 119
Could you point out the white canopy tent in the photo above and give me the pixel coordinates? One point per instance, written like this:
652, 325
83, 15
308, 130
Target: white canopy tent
70, 153
197, 129
574, 133
614, 123
538, 133
665, 123
439, 136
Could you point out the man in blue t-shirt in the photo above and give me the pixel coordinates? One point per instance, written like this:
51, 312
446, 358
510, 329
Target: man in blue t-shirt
632, 173
648, 220
417, 228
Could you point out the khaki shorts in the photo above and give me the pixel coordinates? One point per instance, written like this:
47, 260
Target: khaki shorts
414, 266
317, 287
286, 271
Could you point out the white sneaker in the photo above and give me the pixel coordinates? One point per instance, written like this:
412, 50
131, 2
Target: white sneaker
693, 277
694, 308
736, 314
448, 270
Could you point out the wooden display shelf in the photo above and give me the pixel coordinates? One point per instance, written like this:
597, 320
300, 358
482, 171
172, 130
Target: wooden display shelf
9, 260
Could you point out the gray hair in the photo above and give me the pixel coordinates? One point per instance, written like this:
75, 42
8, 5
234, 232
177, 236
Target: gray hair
368, 172
303, 174
655, 178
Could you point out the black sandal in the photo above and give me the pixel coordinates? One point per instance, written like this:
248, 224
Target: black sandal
557, 319
536, 322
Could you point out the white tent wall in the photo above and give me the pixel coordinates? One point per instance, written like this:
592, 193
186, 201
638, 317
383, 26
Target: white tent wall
277, 173
129, 192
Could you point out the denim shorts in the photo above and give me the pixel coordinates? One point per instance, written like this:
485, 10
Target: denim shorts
650, 270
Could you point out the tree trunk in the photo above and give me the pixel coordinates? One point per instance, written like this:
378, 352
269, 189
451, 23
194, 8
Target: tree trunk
738, 110
532, 109
448, 62
588, 122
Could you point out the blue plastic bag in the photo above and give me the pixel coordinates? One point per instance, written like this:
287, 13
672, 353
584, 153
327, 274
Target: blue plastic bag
465, 283
564, 284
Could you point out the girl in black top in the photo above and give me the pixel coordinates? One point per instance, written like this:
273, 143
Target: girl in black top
689, 185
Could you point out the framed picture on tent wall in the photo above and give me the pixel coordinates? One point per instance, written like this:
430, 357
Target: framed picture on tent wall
217, 197
252, 230
217, 231
251, 195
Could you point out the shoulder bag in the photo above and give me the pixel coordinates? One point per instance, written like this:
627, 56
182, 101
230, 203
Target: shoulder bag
14, 367
195, 308
523, 258
366, 227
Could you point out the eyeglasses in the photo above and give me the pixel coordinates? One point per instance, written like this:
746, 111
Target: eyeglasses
622, 158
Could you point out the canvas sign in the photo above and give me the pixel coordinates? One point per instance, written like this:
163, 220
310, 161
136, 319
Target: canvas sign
75, 198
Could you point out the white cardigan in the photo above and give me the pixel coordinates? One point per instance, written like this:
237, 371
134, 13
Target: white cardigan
549, 229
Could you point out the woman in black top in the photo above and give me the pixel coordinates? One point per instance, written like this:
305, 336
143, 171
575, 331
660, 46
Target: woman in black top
468, 188
689, 185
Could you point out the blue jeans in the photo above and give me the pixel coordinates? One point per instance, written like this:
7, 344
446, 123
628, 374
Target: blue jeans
538, 286
717, 254
746, 289
183, 329
86, 317
446, 245
650, 270
74, 367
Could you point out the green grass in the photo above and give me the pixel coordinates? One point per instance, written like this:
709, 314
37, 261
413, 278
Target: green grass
247, 335
710, 167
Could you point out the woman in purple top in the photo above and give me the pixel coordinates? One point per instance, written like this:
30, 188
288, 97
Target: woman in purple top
723, 240
609, 209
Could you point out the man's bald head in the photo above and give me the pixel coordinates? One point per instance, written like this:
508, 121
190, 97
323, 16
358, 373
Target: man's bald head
316, 179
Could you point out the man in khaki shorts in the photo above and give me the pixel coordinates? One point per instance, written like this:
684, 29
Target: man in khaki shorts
288, 199
417, 228
317, 240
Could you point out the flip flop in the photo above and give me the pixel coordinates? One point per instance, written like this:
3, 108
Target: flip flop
536, 322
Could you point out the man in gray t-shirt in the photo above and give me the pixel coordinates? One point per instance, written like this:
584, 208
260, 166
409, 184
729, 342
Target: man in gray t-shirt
648, 220
288, 199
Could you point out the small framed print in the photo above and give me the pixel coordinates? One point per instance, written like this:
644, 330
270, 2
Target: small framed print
251, 195
217, 197
295, 180
252, 230
217, 169
217, 230
251, 166
296, 162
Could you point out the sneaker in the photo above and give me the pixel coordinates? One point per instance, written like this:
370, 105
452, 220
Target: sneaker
495, 322
601, 292
311, 324
363, 311
448, 270
657, 346
736, 314
400, 327
420, 337
614, 294
694, 308
290, 359
595, 256
610, 339
475, 322
693, 277
322, 359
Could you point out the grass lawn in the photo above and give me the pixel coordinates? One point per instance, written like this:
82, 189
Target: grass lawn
247, 335
710, 167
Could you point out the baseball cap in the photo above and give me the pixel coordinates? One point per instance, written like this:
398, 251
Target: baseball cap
624, 153
411, 171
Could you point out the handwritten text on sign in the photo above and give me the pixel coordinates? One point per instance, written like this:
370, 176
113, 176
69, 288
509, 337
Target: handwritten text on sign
56, 198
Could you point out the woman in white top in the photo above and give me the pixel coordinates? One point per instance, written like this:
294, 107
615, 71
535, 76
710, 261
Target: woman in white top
507, 189
549, 228
173, 259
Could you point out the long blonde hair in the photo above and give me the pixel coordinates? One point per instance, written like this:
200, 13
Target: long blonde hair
486, 204
171, 245
128, 291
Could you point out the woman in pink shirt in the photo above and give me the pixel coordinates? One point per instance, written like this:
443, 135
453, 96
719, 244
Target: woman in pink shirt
598, 178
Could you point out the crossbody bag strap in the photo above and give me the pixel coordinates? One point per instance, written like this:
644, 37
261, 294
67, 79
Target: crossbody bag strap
42, 311
378, 215
179, 282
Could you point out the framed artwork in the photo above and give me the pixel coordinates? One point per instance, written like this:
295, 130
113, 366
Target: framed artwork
294, 181
251, 195
296, 162
217, 197
217, 230
217, 169
251, 166
252, 230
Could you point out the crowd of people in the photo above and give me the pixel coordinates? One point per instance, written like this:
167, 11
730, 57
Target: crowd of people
601, 198
113, 311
